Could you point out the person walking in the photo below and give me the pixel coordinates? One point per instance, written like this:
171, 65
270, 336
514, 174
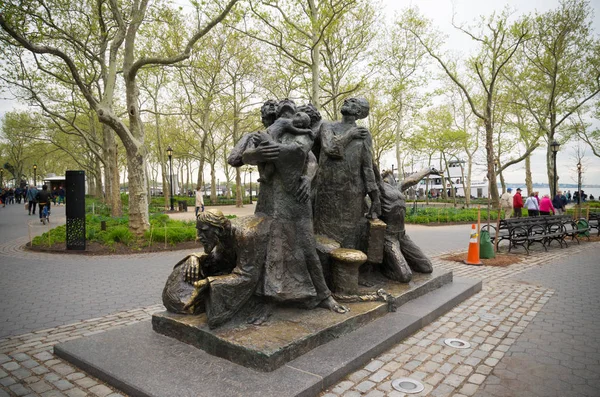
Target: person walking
43, 199
506, 203
558, 203
61, 196
532, 205
199, 200
18, 195
518, 203
31, 198
546, 205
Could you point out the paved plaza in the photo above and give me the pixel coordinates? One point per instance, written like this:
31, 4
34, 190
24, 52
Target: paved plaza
533, 329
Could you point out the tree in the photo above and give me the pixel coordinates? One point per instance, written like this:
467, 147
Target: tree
498, 41
19, 149
241, 69
296, 30
463, 121
45, 30
345, 48
562, 69
401, 62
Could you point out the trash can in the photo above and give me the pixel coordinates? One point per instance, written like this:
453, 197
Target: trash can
182, 206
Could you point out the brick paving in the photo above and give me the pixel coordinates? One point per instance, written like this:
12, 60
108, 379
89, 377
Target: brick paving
559, 353
514, 325
509, 353
29, 367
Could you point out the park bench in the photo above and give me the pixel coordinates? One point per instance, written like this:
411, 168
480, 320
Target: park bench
594, 221
526, 231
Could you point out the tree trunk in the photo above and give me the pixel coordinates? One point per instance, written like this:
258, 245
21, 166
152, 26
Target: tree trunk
550, 170
469, 176
213, 187
98, 175
444, 169
489, 148
139, 217
239, 192
528, 179
200, 174
111, 172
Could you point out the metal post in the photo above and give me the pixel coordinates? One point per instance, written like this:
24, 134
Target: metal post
555, 178
578, 190
35, 175
250, 185
170, 154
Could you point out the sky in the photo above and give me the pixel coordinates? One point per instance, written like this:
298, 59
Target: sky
467, 11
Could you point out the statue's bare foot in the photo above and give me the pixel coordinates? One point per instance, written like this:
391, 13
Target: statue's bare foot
331, 304
261, 314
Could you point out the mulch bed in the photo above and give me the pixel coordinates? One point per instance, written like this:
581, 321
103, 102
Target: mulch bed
94, 248
501, 260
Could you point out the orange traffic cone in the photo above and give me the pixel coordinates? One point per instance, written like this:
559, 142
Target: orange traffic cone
473, 254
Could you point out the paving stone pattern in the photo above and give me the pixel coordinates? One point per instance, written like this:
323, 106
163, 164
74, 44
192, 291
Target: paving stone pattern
559, 353
492, 321
29, 367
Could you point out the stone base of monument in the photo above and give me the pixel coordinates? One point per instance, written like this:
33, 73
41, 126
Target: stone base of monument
290, 332
142, 362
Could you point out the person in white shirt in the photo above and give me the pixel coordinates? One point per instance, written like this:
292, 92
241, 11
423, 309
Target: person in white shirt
199, 201
532, 205
506, 203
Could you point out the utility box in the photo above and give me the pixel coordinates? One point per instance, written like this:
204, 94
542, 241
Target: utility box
75, 209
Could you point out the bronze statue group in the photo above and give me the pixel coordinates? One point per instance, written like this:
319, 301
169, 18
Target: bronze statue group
315, 176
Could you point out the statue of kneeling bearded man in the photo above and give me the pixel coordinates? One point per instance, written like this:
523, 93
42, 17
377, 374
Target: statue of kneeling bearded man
222, 279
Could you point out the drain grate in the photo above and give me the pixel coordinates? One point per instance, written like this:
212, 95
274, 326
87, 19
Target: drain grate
408, 385
457, 343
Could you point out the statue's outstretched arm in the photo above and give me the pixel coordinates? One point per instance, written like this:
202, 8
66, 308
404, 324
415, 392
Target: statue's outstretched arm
413, 179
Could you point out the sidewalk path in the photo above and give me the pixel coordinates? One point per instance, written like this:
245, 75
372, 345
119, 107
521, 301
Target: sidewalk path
559, 353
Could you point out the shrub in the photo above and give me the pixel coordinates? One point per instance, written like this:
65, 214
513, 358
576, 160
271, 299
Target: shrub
119, 234
51, 237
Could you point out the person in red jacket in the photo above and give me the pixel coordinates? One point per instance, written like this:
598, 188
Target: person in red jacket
518, 203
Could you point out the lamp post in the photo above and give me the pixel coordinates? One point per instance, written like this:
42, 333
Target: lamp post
35, 175
554, 146
250, 185
1, 177
170, 154
393, 172
579, 189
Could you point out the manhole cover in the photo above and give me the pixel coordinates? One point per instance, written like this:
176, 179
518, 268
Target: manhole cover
407, 385
489, 316
457, 343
